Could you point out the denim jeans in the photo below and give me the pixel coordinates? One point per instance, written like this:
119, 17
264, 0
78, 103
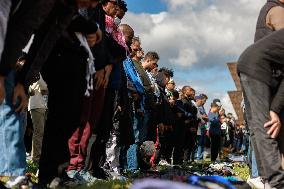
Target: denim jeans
132, 161
252, 161
12, 147
139, 124
200, 145
254, 170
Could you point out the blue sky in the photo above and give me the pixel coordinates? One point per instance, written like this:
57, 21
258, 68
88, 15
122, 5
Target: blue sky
149, 6
196, 38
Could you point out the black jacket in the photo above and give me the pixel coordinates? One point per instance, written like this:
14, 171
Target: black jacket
108, 51
61, 20
24, 19
257, 60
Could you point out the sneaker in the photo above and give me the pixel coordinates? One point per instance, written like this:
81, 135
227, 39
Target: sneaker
55, 183
164, 163
15, 181
256, 183
74, 174
87, 177
117, 176
267, 186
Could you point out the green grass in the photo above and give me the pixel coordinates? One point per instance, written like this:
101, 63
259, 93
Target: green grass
241, 170
108, 185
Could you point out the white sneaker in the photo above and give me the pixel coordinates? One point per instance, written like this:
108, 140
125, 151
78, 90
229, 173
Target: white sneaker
267, 186
15, 181
256, 183
164, 163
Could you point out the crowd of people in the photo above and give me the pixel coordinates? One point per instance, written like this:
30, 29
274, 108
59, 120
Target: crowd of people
98, 104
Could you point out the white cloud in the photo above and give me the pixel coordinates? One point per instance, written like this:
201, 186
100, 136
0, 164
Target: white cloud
197, 34
227, 105
186, 57
218, 29
175, 4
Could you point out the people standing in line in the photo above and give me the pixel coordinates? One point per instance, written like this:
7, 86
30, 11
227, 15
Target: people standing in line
60, 45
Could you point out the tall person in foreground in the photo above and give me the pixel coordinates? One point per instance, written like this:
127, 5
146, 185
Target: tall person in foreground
264, 100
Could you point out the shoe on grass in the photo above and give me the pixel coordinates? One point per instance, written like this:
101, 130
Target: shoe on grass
117, 176
74, 174
256, 183
16, 181
87, 177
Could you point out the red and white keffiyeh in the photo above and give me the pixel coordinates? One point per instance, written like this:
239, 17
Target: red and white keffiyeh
115, 32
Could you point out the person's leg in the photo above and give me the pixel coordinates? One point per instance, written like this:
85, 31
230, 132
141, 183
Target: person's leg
132, 152
12, 147
281, 138
38, 119
215, 145
5, 7
143, 133
79, 139
257, 100
64, 117
170, 146
179, 139
202, 144
254, 170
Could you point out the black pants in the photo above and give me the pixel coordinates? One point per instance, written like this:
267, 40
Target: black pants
215, 146
257, 97
166, 141
65, 102
178, 141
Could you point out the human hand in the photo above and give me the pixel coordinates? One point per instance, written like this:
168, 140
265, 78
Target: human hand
2, 89
274, 125
92, 39
99, 35
99, 78
19, 94
20, 63
108, 70
172, 102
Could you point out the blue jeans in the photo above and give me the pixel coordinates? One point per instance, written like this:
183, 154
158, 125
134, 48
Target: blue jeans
139, 124
12, 147
200, 145
254, 170
252, 160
